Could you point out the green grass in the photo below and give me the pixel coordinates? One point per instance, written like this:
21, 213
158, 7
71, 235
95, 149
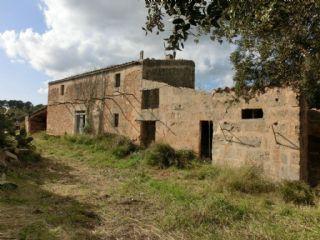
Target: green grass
37, 231
202, 202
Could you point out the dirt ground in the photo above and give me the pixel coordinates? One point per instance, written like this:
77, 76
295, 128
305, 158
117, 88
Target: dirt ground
65, 199
81, 191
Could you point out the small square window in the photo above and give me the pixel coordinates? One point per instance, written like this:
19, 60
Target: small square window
62, 90
116, 120
150, 99
252, 113
117, 80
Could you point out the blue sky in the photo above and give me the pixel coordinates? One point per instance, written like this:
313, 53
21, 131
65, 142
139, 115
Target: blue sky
45, 40
20, 80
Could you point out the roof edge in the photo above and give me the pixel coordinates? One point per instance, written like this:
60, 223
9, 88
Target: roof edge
102, 70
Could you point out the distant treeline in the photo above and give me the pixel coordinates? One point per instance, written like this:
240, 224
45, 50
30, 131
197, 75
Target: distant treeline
17, 109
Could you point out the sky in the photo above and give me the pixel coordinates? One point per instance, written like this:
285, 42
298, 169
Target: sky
46, 40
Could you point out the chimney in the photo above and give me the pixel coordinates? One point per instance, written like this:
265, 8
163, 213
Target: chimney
171, 56
142, 55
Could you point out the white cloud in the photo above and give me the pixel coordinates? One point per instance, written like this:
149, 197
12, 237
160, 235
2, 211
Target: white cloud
43, 90
84, 34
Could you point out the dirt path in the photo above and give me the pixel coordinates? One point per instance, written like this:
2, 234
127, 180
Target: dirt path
67, 199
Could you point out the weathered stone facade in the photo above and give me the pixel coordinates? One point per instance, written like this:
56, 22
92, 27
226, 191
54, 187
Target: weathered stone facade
269, 131
36, 121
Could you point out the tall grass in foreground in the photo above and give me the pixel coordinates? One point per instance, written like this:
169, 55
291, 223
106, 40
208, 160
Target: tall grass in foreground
120, 152
199, 202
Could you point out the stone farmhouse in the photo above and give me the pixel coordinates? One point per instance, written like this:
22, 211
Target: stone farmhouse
156, 101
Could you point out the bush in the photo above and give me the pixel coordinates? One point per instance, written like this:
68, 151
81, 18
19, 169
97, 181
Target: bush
161, 155
123, 148
164, 156
23, 141
297, 192
29, 156
119, 146
184, 158
6, 130
251, 181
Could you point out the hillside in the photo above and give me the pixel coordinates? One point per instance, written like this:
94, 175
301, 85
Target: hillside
81, 190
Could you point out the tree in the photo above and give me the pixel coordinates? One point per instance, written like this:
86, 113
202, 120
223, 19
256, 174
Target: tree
6, 129
278, 40
18, 109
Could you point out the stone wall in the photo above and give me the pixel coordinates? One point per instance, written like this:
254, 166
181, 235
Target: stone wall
177, 73
36, 122
272, 143
124, 100
277, 142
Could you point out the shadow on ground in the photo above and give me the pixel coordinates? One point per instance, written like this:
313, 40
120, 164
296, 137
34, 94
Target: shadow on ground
32, 212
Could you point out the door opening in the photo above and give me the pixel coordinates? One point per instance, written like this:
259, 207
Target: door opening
148, 133
206, 128
80, 121
314, 160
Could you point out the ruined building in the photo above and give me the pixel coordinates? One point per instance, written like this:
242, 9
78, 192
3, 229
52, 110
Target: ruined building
155, 100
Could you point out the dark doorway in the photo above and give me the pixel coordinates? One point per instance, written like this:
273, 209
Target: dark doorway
314, 160
148, 133
206, 128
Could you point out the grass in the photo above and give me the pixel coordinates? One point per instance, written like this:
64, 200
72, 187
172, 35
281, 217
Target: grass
83, 190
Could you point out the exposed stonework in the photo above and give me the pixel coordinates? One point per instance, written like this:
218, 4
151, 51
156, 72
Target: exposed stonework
269, 131
177, 73
36, 121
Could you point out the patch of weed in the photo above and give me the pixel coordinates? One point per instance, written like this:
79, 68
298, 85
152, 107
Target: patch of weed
37, 231
297, 192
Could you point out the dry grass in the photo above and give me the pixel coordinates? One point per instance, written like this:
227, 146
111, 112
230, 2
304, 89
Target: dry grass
82, 191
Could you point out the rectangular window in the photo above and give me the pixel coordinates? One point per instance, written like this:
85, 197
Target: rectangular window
62, 90
116, 120
118, 80
150, 99
252, 113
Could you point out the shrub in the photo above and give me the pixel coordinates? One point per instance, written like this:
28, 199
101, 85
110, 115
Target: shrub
29, 156
124, 149
119, 146
23, 141
297, 192
161, 155
184, 158
251, 181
